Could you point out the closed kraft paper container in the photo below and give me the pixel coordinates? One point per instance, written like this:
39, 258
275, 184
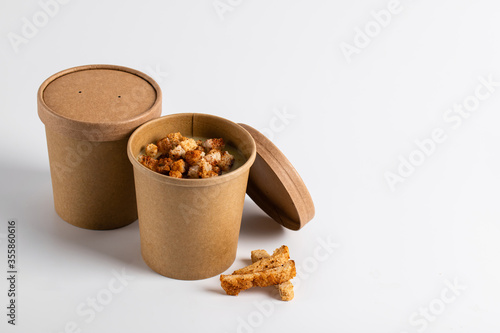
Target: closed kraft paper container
89, 113
190, 227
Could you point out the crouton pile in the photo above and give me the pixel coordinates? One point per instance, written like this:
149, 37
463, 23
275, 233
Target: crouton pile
267, 270
181, 157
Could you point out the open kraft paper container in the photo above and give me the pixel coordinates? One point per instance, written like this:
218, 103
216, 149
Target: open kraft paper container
89, 113
189, 227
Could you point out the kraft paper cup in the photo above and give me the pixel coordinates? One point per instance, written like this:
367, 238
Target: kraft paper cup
89, 113
93, 186
189, 227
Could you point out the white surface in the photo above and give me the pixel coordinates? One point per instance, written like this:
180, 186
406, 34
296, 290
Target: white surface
352, 120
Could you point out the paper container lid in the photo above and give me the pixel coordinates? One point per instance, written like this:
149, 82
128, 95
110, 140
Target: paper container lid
98, 102
276, 187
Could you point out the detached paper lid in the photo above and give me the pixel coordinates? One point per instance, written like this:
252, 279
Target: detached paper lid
98, 102
276, 187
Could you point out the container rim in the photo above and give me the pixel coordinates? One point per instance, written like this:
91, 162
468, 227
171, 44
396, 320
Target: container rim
186, 182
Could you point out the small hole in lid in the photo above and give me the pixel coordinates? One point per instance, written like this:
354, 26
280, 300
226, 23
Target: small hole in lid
119, 97
80, 92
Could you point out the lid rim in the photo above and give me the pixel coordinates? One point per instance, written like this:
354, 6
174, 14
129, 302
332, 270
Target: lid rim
109, 131
283, 218
294, 211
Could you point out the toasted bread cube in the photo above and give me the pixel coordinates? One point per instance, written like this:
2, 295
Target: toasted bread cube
175, 138
205, 168
193, 157
213, 157
194, 171
175, 174
179, 165
177, 153
148, 162
199, 145
152, 150
257, 255
286, 291
213, 144
210, 174
226, 162
164, 146
204, 165
188, 145
164, 165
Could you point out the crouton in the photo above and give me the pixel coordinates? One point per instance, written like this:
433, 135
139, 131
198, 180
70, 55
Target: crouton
148, 162
179, 165
193, 157
213, 144
233, 284
205, 168
177, 153
164, 165
194, 171
257, 255
164, 146
188, 145
286, 291
209, 174
226, 162
286, 288
175, 174
279, 257
213, 157
151, 150
198, 158
175, 138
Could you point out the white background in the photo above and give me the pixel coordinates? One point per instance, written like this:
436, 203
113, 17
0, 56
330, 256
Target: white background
354, 118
